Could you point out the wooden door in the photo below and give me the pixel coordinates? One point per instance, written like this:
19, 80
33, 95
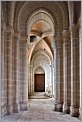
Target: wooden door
39, 82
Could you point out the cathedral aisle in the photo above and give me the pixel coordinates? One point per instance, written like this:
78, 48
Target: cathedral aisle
41, 53
40, 110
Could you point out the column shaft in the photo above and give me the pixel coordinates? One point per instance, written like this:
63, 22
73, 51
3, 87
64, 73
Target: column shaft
59, 74
52, 80
67, 71
3, 76
29, 79
80, 34
9, 71
80, 75
75, 80
24, 75
16, 64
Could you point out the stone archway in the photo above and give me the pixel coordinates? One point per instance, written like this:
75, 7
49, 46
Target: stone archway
35, 27
40, 59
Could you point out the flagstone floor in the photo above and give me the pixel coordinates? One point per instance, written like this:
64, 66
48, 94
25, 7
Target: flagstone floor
40, 110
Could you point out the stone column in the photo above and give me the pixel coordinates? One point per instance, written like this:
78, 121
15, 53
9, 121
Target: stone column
0, 75
54, 65
9, 32
3, 70
80, 41
67, 71
24, 74
7, 43
59, 74
2, 65
52, 79
31, 78
75, 79
16, 106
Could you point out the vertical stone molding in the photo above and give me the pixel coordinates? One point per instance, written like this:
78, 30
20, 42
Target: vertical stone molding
24, 74
16, 82
54, 65
31, 78
3, 72
58, 61
80, 41
9, 32
80, 34
71, 12
2, 69
52, 82
67, 71
75, 80
11, 7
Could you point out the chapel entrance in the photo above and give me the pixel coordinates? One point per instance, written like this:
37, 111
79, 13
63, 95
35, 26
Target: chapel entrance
39, 83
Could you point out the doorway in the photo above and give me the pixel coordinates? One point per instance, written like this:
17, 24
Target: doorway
39, 84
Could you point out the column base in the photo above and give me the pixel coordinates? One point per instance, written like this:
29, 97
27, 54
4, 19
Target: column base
24, 106
58, 107
3, 110
66, 109
9, 110
16, 107
74, 111
80, 117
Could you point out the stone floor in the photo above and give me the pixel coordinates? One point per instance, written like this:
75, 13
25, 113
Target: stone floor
38, 95
40, 110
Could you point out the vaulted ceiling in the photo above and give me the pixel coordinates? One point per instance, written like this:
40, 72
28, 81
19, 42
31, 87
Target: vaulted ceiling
40, 20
